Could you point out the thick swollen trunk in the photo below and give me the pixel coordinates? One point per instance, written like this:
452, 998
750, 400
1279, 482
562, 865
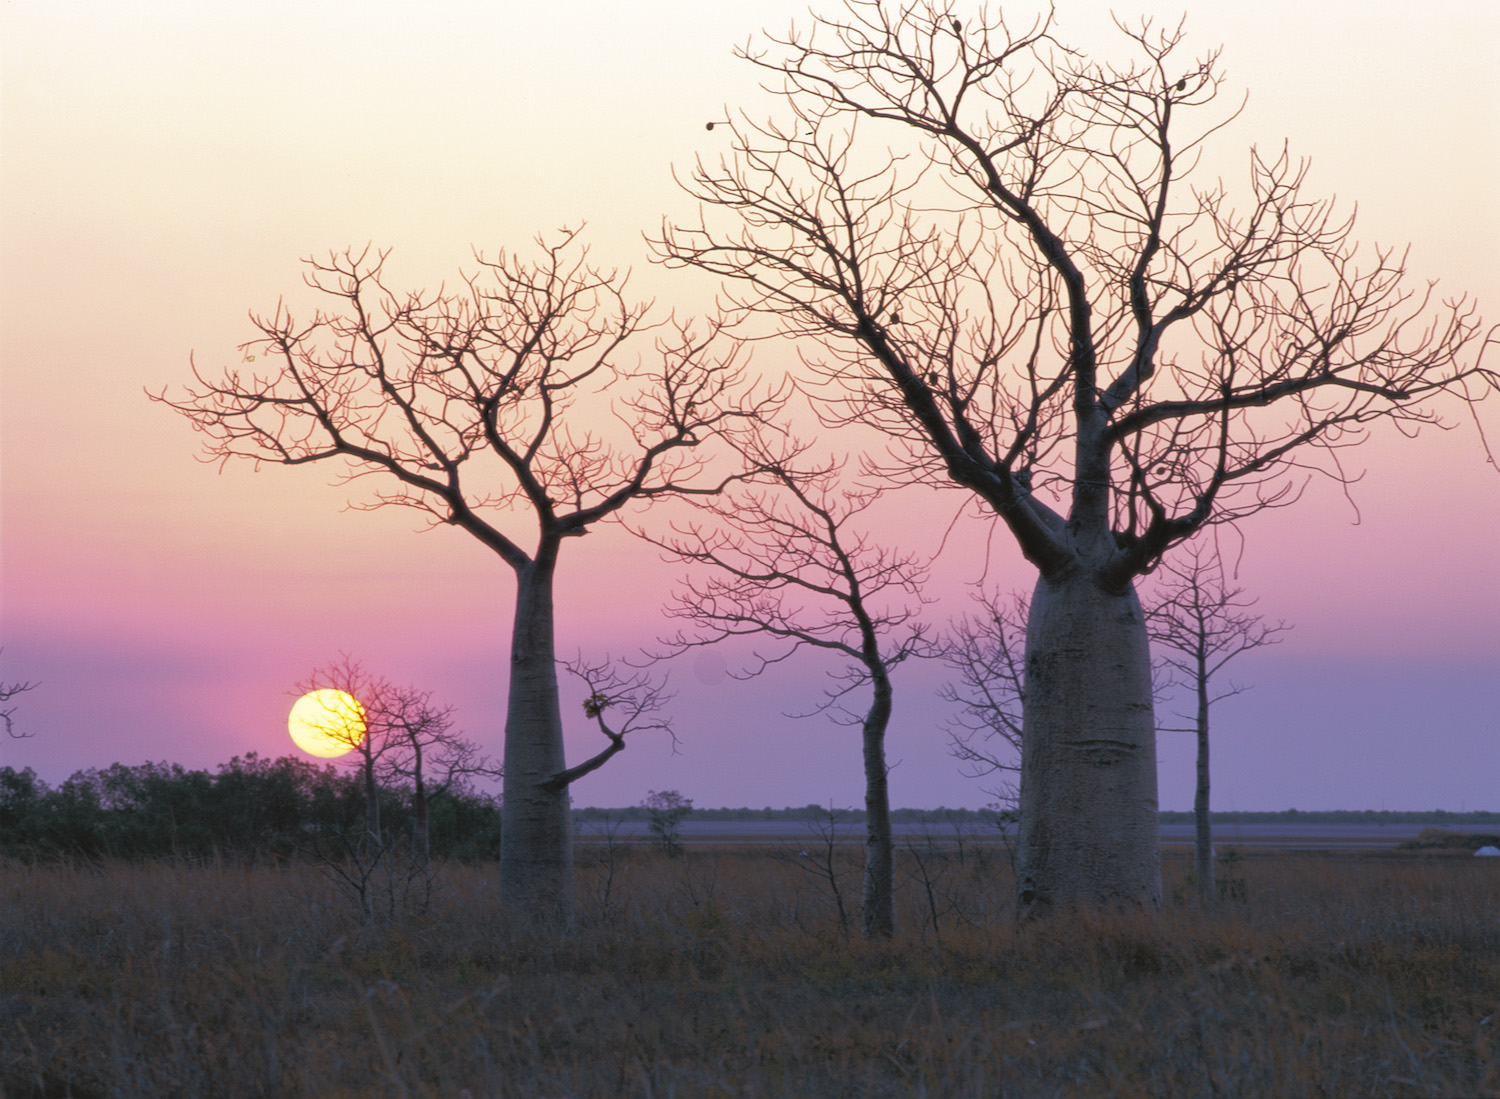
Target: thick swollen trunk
1203, 849
1088, 757
536, 837
878, 908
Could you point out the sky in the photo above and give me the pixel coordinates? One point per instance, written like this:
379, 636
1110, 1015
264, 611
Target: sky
164, 166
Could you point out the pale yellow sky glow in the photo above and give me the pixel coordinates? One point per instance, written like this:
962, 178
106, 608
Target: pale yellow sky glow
164, 166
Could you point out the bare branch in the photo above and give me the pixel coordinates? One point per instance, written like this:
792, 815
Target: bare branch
9, 691
785, 562
634, 698
1199, 623
1024, 283
986, 650
471, 406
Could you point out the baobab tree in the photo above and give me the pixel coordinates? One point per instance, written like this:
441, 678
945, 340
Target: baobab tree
1198, 624
486, 409
1002, 253
786, 562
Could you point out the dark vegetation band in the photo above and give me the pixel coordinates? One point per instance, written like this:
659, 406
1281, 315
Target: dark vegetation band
249, 808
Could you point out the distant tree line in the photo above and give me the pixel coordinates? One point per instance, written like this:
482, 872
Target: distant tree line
1340, 816
811, 812
250, 808
942, 815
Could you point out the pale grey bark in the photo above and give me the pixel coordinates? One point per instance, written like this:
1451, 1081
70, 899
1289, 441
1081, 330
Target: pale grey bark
536, 833
1088, 775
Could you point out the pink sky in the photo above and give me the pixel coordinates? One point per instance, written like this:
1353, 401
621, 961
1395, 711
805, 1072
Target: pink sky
163, 167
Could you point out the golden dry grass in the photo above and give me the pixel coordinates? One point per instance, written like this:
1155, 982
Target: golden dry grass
725, 973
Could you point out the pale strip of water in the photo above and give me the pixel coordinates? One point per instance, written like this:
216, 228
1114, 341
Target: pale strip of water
1285, 836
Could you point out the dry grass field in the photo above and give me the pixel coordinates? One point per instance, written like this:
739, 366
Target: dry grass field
725, 972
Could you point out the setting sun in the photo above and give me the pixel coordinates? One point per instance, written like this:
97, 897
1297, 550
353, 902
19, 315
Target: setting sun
327, 723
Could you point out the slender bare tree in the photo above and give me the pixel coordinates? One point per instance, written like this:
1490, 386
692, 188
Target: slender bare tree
351, 725
399, 736
363, 866
486, 409
786, 562
1199, 624
422, 748
997, 250
986, 651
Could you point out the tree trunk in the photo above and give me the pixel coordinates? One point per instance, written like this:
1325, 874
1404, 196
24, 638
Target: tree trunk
372, 804
1089, 835
1203, 847
421, 844
536, 837
878, 907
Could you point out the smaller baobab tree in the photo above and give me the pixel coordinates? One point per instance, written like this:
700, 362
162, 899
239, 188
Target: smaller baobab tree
341, 696
1198, 624
786, 562
347, 693
525, 408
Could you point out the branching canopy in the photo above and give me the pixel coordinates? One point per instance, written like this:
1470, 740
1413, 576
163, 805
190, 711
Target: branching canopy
787, 562
1199, 623
1025, 277
472, 404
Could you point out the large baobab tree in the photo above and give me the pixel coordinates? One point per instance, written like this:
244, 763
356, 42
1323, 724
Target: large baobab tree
1198, 624
999, 251
786, 562
488, 409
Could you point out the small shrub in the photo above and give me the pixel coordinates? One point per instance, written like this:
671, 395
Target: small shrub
665, 812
